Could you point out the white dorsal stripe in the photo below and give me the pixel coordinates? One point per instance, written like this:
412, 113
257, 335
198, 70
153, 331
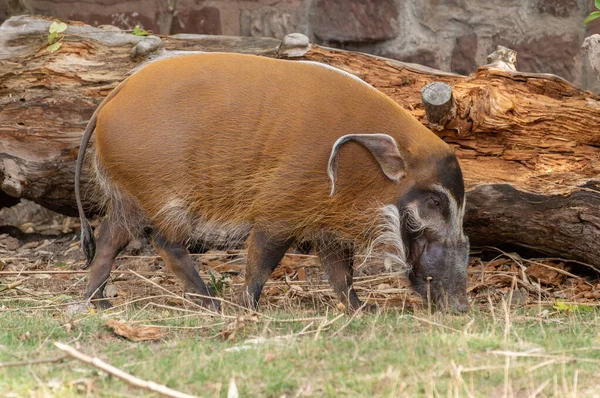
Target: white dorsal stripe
333, 68
164, 54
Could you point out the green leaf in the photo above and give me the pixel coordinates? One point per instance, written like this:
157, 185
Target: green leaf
52, 37
53, 47
62, 27
597, 2
57, 27
592, 16
138, 31
560, 306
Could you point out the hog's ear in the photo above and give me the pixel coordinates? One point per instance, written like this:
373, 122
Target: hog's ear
382, 146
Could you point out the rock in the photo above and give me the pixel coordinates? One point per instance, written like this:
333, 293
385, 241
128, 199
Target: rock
206, 20
503, 58
147, 45
124, 20
463, 55
78, 308
110, 291
419, 56
355, 20
17, 7
546, 53
270, 22
557, 8
591, 45
294, 45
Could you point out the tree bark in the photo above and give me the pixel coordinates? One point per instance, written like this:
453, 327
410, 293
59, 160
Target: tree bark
528, 144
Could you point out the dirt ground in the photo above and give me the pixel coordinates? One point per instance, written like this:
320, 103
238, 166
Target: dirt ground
41, 260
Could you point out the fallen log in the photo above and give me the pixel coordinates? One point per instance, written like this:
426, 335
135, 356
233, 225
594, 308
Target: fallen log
529, 144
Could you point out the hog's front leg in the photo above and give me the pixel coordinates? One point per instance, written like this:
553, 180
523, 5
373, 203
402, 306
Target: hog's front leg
337, 260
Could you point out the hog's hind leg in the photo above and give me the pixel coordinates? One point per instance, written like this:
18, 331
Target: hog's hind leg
178, 260
265, 251
112, 238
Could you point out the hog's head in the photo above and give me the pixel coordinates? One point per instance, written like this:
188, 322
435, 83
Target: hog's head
430, 211
437, 249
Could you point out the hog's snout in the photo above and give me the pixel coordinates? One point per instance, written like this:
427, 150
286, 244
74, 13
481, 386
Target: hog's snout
439, 273
458, 303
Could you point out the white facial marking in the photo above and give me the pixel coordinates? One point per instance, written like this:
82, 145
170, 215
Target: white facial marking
456, 213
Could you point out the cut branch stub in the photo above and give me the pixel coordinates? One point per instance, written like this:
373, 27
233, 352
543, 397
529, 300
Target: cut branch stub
439, 104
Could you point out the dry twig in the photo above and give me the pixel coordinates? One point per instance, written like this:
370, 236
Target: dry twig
12, 285
134, 381
32, 362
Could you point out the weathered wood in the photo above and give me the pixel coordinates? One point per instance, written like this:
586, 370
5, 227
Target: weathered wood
529, 144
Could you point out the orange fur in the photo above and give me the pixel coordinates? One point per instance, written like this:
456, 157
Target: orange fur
235, 140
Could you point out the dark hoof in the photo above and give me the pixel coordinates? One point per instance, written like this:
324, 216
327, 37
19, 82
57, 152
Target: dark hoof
101, 303
205, 302
245, 300
212, 305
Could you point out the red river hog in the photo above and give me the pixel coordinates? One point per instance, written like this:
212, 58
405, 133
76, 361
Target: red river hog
279, 151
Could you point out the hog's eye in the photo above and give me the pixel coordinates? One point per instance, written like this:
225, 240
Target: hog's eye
435, 202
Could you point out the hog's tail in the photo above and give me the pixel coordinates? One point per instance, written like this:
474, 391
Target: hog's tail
88, 241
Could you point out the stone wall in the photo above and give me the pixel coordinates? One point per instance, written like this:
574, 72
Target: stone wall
452, 35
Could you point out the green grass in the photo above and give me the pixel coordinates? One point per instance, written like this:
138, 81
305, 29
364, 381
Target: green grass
393, 353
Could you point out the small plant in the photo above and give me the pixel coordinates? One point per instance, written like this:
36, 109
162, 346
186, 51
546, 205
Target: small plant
560, 306
138, 31
217, 286
595, 14
55, 35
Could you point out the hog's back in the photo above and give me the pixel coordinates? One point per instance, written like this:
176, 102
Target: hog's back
243, 138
